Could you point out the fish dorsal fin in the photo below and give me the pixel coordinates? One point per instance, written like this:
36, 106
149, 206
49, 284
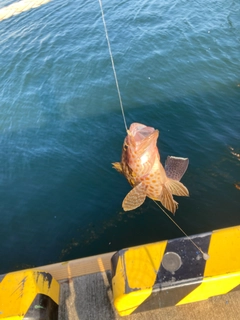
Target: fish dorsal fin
175, 167
177, 188
135, 197
167, 200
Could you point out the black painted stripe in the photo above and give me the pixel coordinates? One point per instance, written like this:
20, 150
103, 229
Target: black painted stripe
172, 287
42, 307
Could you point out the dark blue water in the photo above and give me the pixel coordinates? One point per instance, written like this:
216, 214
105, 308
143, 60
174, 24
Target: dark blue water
61, 126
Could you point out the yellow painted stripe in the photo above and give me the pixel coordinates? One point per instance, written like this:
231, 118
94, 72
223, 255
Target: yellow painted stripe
222, 270
213, 286
127, 303
14, 318
224, 252
136, 269
142, 264
18, 290
20, 6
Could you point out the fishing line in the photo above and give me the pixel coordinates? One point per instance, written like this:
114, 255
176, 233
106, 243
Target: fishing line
205, 255
113, 66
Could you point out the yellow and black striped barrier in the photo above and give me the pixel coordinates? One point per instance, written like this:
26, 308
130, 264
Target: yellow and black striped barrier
173, 272
29, 294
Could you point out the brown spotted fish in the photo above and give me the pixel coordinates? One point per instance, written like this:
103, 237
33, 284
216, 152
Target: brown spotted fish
141, 166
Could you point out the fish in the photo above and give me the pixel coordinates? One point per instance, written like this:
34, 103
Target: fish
141, 165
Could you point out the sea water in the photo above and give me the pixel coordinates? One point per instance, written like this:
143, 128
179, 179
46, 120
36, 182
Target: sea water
61, 127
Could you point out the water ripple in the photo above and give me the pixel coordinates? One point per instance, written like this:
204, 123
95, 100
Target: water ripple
61, 126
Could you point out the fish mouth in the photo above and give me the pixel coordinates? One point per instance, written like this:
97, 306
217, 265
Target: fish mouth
140, 131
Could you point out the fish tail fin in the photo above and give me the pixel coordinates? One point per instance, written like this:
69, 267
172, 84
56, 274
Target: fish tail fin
177, 188
134, 198
167, 200
117, 166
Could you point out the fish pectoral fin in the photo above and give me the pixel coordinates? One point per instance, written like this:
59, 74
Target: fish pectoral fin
167, 200
177, 188
117, 166
175, 167
135, 197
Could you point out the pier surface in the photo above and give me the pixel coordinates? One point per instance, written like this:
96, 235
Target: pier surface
86, 295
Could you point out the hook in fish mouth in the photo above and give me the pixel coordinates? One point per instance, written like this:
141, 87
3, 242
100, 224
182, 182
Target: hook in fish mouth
129, 132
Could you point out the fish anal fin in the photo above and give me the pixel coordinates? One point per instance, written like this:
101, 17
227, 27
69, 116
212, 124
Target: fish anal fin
117, 166
135, 197
167, 200
177, 188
